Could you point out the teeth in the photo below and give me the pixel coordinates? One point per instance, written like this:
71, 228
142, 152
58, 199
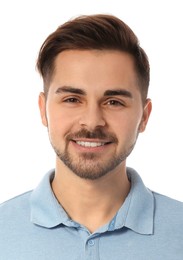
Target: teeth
89, 144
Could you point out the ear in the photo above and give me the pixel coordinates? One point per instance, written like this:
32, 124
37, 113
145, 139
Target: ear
145, 116
42, 108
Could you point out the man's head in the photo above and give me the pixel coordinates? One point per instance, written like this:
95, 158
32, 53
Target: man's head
96, 78
94, 32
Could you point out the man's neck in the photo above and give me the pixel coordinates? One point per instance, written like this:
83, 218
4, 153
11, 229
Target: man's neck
92, 203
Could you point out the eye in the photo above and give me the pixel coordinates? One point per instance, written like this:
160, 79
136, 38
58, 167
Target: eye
113, 102
71, 100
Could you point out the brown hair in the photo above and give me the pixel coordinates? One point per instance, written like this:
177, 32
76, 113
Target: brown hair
99, 32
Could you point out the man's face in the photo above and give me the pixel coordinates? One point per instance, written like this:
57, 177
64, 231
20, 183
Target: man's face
93, 111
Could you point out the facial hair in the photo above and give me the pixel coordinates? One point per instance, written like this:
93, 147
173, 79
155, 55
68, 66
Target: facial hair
89, 165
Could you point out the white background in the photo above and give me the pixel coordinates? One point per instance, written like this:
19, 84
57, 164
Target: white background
25, 152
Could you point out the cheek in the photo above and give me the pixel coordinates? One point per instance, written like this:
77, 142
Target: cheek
126, 128
128, 122
59, 123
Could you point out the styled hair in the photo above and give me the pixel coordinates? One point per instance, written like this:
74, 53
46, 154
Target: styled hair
100, 32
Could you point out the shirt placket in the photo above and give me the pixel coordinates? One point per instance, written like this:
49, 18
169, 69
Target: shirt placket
92, 248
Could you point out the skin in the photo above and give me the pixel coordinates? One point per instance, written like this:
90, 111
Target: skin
94, 113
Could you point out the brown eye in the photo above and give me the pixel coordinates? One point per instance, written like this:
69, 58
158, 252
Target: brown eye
114, 103
71, 100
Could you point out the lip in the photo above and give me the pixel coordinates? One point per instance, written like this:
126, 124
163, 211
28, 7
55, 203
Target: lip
90, 145
91, 140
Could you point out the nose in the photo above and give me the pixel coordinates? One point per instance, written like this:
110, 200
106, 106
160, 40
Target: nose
92, 117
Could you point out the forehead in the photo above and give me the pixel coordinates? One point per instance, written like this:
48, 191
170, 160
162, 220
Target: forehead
94, 69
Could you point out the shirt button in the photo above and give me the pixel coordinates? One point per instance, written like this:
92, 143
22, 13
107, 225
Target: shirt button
91, 242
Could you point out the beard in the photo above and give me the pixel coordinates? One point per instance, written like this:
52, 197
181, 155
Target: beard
89, 165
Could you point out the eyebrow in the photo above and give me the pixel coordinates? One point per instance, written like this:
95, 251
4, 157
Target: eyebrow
118, 92
113, 92
69, 89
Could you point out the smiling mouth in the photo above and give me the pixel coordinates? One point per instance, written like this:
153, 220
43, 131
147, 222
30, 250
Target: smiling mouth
91, 144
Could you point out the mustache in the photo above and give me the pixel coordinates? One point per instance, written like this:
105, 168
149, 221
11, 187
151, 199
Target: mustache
96, 134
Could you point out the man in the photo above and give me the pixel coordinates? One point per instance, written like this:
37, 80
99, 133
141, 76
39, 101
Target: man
94, 105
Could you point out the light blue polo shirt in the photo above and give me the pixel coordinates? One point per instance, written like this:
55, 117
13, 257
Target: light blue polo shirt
148, 226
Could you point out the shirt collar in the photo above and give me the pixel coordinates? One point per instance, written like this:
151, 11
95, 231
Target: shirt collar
45, 208
136, 212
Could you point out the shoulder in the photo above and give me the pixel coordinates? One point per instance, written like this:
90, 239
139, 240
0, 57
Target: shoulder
167, 203
168, 212
15, 206
18, 198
